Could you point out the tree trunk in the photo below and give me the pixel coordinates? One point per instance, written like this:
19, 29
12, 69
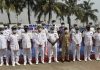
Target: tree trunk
69, 22
29, 20
44, 18
49, 18
87, 20
17, 18
8, 14
60, 20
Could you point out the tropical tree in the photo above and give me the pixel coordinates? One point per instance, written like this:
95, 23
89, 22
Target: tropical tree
47, 7
29, 5
18, 7
11, 5
8, 6
71, 8
89, 12
1, 6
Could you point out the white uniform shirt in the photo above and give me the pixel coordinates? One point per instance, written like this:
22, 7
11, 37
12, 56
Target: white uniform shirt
88, 38
92, 29
19, 32
53, 36
39, 38
7, 33
72, 30
77, 38
45, 32
3, 42
97, 39
26, 39
14, 38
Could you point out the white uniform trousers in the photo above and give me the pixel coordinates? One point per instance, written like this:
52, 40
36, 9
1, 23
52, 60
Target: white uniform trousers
2, 54
14, 56
39, 50
76, 53
8, 55
27, 53
52, 50
87, 52
97, 52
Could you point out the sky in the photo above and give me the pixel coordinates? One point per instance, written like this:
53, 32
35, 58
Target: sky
22, 18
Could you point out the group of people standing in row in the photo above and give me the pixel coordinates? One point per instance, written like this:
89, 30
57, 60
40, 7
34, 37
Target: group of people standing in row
45, 41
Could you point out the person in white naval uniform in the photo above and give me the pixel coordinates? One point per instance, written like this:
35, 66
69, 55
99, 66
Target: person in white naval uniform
52, 44
76, 39
14, 46
92, 29
88, 41
7, 31
39, 40
45, 32
96, 37
19, 32
26, 45
3, 46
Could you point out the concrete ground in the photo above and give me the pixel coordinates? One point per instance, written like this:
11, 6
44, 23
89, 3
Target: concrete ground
89, 65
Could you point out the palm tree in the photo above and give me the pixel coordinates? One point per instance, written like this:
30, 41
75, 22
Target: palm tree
89, 13
71, 8
8, 6
38, 8
18, 6
1, 6
46, 7
29, 5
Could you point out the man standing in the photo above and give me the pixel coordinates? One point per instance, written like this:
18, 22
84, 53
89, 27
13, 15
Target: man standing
45, 32
39, 40
52, 44
65, 44
7, 32
60, 33
88, 35
14, 46
97, 43
3, 46
26, 45
92, 29
76, 40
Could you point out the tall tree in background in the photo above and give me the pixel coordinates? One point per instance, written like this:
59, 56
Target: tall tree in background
46, 8
83, 11
29, 5
71, 8
89, 12
1, 6
19, 6
8, 6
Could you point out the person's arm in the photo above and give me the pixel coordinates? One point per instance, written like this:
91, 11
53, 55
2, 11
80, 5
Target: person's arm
20, 41
30, 34
83, 36
80, 37
94, 39
8, 43
50, 41
31, 43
